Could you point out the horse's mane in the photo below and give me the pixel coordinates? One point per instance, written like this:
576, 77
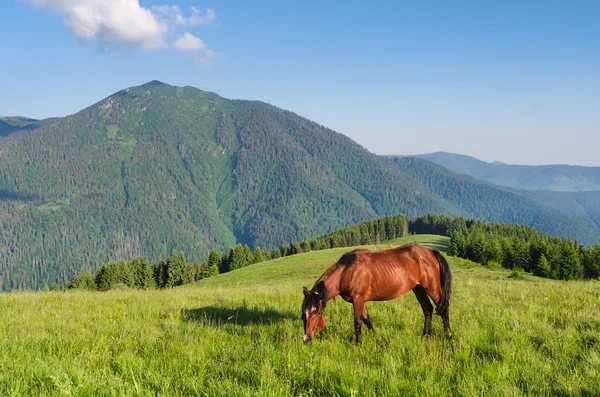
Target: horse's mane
349, 258
317, 293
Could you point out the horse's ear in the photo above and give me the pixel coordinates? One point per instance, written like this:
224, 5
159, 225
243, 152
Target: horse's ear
305, 290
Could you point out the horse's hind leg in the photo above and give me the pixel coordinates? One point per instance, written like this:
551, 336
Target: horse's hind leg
427, 307
446, 320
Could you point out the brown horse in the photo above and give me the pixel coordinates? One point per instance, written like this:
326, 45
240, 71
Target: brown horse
362, 275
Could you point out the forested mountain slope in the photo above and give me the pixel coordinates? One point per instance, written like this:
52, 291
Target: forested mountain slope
556, 177
12, 128
584, 205
497, 204
155, 168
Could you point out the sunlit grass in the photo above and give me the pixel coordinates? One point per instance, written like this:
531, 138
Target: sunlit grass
241, 334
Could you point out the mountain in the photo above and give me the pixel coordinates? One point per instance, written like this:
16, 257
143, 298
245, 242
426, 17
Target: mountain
12, 128
157, 168
568, 178
583, 205
8, 125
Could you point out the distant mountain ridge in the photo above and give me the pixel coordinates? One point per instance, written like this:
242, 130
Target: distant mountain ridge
12, 128
556, 177
157, 168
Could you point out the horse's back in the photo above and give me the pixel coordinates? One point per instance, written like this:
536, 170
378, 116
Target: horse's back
388, 274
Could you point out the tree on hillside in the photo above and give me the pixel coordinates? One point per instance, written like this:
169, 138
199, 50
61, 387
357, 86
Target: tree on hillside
591, 263
237, 258
305, 246
258, 255
542, 268
84, 282
177, 270
224, 264
520, 258
160, 273
456, 244
570, 268
142, 273
494, 251
284, 250
479, 248
248, 257
103, 279
194, 271
296, 248
211, 266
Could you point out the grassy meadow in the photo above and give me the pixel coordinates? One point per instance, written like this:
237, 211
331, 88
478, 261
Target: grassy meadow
240, 334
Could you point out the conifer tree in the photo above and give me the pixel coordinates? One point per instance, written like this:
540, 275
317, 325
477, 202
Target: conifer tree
258, 255
296, 248
211, 266
237, 258
542, 268
248, 257
570, 268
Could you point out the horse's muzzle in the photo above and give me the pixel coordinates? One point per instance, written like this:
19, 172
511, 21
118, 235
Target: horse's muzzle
306, 339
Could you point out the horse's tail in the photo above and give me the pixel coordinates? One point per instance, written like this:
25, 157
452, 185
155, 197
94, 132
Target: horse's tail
446, 283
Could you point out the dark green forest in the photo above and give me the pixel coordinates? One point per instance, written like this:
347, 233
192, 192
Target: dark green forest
175, 270
157, 169
515, 247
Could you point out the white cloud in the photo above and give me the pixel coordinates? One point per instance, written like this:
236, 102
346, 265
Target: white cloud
197, 18
196, 49
189, 43
166, 10
120, 22
127, 24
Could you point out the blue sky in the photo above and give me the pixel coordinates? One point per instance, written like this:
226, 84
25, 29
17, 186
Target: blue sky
512, 81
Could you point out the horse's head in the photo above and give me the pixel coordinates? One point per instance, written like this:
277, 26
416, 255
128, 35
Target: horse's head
312, 310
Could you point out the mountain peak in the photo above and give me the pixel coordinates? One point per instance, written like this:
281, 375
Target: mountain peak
155, 83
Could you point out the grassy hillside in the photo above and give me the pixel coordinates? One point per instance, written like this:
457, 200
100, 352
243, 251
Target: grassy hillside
157, 168
557, 177
240, 334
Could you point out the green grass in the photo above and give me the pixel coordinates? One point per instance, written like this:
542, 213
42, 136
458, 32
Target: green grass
240, 334
426, 240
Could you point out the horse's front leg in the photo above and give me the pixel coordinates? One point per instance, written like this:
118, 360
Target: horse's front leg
359, 309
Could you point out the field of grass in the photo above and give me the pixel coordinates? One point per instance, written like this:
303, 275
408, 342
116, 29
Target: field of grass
240, 334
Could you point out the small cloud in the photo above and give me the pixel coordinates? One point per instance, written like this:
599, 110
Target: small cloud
197, 18
166, 10
189, 43
196, 49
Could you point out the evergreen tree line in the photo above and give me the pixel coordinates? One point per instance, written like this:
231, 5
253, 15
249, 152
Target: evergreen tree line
175, 271
514, 247
139, 273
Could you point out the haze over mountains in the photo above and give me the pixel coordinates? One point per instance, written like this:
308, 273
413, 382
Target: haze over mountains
157, 168
557, 177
